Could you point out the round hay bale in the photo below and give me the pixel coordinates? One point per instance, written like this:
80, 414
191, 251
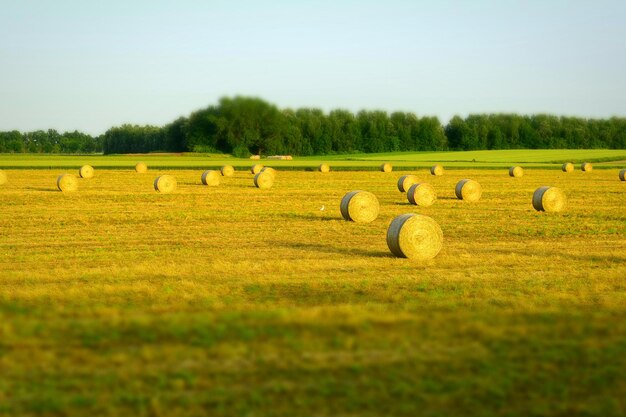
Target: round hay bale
359, 206
67, 183
324, 168
264, 180
414, 236
269, 170
227, 171
549, 199
141, 168
3, 178
165, 184
211, 178
405, 182
586, 167
516, 172
256, 168
421, 194
386, 167
86, 171
622, 175
567, 167
436, 170
468, 190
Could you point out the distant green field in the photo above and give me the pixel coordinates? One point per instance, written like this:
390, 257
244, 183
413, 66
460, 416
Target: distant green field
406, 160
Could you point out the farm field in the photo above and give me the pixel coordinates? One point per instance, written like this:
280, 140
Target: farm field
233, 301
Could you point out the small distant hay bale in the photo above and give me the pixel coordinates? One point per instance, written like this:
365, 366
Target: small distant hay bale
405, 182
359, 206
422, 194
386, 167
165, 184
622, 175
324, 168
227, 171
414, 236
567, 167
468, 190
586, 167
141, 168
269, 170
436, 170
264, 180
256, 168
211, 178
3, 178
255, 157
516, 172
86, 171
550, 199
67, 183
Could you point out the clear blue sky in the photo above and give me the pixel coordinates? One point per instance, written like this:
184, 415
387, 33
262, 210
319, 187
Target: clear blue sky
70, 64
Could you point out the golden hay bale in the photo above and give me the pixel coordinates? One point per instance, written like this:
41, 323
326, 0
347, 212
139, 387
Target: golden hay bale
255, 156
67, 182
165, 184
386, 167
359, 206
3, 178
256, 168
421, 194
324, 168
210, 177
264, 180
227, 171
516, 172
405, 182
586, 167
414, 236
468, 190
141, 168
86, 171
567, 167
436, 170
622, 175
269, 170
548, 199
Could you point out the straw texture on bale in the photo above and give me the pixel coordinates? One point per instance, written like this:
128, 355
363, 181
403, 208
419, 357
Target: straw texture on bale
269, 170
165, 184
405, 182
67, 182
567, 167
549, 199
3, 178
324, 168
386, 167
436, 170
516, 172
227, 171
264, 180
256, 168
421, 194
622, 175
86, 171
586, 167
468, 190
141, 168
414, 236
359, 206
211, 178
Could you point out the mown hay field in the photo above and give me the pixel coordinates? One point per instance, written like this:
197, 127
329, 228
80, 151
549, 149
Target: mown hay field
231, 300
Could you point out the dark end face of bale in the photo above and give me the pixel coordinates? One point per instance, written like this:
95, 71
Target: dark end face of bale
436, 170
359, 206
516, 172
586, 167
567, 167
622, 175
386, 167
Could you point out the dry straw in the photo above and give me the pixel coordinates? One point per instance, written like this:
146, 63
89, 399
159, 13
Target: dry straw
549, 199
86, 171
359, 206
269, 170
386, 167
67, 183
3, 178
421, 194
324, 168
468, 190
165, 184
436, 170
405, 182
211, 178
227, 171
567, 167
586, 167
141, 168
264, 180
414, 236
256, 168
516, 172
622, 175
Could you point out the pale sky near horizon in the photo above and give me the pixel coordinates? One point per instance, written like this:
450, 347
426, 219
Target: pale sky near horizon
71, 64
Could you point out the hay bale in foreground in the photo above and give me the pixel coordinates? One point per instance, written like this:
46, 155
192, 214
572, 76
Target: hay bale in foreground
141, 168
405, 182
165, 184
211, 178
567, 167
3, 178
269, 170
421, 194
386, 167
256, 168
324, 168
586, 167
468, 190
622, 175
550, 199
359, 206
264, 180
67, 183
436, 170
516, 172
414, 236
227, 171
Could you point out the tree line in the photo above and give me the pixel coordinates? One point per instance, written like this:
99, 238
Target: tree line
243, 125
